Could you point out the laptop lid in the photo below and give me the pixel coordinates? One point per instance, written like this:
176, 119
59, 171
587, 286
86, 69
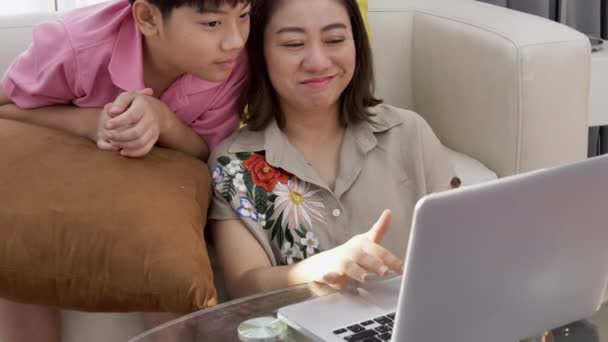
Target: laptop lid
509, 259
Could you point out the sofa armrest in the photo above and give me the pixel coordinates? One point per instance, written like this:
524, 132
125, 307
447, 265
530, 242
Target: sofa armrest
507, 88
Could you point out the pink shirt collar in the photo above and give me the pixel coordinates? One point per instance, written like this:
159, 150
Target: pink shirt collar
126, 63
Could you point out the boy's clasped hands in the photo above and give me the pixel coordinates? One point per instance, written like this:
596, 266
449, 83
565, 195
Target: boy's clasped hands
133, 123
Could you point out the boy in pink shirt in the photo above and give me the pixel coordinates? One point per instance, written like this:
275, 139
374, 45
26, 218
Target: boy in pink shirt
173, 66
128, 74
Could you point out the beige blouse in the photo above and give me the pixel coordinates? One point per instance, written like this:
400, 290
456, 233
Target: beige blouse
260, 179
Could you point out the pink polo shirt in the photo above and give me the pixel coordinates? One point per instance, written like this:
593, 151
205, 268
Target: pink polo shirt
91, 55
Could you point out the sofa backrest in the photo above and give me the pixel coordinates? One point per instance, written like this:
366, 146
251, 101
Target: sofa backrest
504, 87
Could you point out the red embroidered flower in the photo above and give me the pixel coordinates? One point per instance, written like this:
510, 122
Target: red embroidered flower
263, 174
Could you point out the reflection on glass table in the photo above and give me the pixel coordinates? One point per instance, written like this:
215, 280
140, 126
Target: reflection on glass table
221, 322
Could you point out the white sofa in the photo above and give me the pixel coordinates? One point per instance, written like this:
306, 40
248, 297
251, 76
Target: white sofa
507, 88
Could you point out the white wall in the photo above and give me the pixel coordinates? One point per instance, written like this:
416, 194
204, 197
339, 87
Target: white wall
24, 6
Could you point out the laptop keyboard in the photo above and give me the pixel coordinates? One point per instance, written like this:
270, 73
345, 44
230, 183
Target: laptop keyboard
373, 330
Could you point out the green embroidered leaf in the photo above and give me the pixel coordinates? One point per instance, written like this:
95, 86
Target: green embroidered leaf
272, 197
276, 228
261, 200
248, 183
300, 233
281, 236
289, 236
269, 224
270, 211
228, 190
296, 259
223, 160
317, 251
243, 155
274, 233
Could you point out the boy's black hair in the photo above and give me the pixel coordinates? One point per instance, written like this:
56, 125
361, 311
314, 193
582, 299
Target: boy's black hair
167, 6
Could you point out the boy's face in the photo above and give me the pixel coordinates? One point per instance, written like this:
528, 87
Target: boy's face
205, 44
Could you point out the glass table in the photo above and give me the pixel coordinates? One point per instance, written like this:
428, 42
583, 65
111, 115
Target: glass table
220, 323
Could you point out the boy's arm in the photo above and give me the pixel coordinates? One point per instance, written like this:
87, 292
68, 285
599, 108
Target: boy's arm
180, 137
3, 98
72, 119
139, 121
40, 84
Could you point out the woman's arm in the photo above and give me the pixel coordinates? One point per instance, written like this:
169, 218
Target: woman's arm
243, 262
247, 269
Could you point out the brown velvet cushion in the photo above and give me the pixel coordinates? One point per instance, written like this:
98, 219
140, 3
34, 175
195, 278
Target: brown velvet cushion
90, 230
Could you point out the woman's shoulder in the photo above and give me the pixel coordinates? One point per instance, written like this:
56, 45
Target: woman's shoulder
388, 118
243, 141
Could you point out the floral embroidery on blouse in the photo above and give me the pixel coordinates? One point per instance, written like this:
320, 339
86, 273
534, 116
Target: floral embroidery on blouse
283, 205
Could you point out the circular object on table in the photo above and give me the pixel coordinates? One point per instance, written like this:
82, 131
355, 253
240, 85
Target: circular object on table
262, 329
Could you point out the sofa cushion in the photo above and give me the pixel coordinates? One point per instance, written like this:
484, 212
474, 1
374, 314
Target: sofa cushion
469, 170
90, 230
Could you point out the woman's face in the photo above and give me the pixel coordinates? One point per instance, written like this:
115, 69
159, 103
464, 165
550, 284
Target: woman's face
310, 53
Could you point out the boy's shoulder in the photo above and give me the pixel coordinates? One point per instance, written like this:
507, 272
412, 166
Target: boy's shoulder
96, 24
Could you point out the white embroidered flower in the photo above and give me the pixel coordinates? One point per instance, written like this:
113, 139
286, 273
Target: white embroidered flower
298, 204
234, 167
247, 209
262, 219
239, 182
311, 242
289, 252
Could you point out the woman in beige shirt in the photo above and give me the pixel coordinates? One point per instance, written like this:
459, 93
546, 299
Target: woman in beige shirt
298, 191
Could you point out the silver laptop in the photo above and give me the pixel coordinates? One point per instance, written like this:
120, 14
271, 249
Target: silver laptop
500, 261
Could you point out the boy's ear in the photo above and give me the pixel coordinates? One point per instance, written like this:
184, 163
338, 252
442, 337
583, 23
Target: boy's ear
147, 17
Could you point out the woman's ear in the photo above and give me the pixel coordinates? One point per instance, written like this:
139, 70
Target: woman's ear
147, 17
